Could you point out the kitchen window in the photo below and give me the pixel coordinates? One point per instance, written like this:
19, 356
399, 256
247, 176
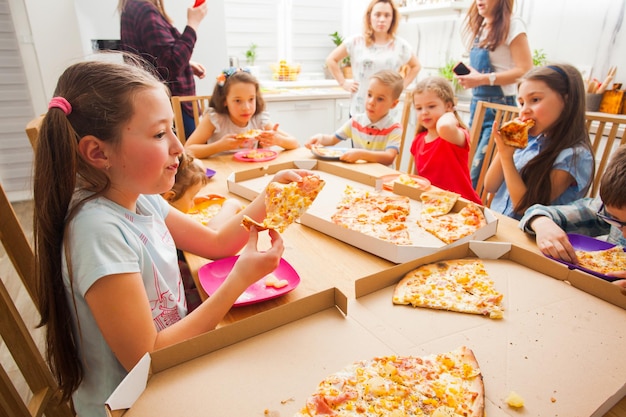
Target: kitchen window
294, 30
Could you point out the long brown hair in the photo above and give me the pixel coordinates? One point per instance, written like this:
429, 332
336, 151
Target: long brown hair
101, 95
568, 131
368, 30
237, 75
121, 5
500, 25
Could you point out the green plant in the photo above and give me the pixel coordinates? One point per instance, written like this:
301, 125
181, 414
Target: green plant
338, 40
447, 73
539, 58
251, 54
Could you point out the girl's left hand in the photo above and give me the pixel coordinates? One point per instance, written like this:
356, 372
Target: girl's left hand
267, 137
471, 80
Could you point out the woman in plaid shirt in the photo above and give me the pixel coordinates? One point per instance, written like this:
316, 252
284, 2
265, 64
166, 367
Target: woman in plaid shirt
147, 30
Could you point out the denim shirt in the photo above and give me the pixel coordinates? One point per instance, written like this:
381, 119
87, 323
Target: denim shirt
577, 161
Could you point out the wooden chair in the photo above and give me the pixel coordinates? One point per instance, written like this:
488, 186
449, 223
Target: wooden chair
404, 121
32, 130
43, 394
200, 106
607, 133
504, 113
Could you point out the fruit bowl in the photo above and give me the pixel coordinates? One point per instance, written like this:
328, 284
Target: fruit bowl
285, 72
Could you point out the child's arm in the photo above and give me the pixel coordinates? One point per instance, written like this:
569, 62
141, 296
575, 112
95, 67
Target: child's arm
274, 136
196, 144
385, 157
322, 139
503, 168
449, 130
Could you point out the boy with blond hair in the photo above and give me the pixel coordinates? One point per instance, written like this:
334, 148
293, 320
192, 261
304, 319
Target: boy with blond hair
375, 134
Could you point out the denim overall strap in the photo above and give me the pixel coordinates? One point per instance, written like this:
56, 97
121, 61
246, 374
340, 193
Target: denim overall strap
479, 60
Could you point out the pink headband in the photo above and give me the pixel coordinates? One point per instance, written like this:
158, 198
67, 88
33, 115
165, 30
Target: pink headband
60, 103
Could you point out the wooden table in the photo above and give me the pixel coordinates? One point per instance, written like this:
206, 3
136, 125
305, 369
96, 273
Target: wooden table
321, 261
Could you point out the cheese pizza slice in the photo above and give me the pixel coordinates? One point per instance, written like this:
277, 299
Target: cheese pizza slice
249, 134
603, 261
285, 203
456, 285
454, 226
448, 384
515, 132
437, 202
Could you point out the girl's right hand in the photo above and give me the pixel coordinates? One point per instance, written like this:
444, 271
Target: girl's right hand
229, 142
253, 264
196, 14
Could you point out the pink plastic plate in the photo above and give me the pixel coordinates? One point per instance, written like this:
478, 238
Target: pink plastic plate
256, 155
422, 183
586, 243
213, 274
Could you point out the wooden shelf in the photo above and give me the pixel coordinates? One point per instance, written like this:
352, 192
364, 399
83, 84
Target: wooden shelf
451, 9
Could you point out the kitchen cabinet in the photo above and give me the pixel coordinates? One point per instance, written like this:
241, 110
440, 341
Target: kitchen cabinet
307, 117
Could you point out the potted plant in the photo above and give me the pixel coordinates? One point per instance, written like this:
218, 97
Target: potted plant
250, 55
539, 58
345, 63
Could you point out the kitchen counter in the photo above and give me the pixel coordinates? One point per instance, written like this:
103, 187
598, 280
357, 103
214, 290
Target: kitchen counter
291, 93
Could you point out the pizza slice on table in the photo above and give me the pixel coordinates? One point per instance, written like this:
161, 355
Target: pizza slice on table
454, 226
285, 203
461, 285
515, 132
446, 384
438, 202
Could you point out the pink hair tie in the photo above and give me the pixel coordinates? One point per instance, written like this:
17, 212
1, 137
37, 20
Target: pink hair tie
60, 103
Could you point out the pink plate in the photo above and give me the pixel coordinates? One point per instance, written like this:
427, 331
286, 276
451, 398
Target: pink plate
213, 274
422, 183
251, 155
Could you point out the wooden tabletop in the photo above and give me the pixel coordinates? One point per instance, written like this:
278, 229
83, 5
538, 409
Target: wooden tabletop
321, 261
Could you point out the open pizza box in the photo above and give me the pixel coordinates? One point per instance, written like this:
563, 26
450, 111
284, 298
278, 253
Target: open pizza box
246, 367
249, 183
559, 344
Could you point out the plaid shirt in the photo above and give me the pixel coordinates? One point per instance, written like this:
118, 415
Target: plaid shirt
146, 32
577, 217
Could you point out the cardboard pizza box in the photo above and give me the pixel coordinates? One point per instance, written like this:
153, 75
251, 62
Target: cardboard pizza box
249, 183
242, 366
556, 345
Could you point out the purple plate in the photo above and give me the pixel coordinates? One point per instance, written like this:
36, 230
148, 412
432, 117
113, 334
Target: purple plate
213, 274
210, 173
588, 244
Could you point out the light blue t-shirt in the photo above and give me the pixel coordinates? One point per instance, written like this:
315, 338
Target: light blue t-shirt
578, 161
105, 239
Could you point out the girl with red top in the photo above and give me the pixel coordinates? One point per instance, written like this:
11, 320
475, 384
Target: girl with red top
441, 145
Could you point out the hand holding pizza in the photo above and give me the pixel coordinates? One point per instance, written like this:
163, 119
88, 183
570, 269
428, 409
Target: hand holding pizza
504, 150
253, 264
552, 240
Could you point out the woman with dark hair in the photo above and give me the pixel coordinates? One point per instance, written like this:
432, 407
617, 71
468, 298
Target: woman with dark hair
378, 48
499, 55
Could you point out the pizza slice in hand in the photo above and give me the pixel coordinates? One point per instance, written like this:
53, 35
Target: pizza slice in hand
515, 132
285, 203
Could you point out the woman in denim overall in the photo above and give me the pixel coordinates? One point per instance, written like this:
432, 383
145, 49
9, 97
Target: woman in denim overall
485, 79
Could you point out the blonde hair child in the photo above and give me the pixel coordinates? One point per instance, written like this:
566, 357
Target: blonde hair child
441, 144
236, 106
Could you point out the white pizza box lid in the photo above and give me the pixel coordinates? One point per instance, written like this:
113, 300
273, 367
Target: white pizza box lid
556, 345
156, 382
249, 183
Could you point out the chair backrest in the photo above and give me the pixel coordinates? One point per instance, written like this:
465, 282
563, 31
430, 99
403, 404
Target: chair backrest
35, 392
32, 130
200, 105
404, 120
607, 134
504, 113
